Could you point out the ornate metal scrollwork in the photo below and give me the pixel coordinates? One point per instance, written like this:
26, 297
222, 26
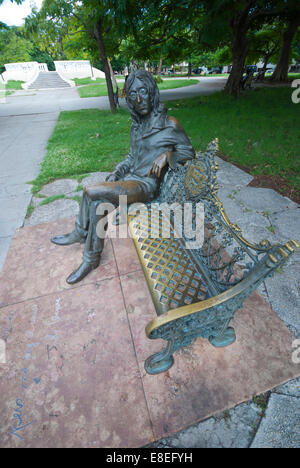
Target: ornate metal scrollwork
196, 292
194, 181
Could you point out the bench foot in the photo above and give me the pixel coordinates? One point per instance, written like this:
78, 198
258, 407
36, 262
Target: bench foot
227, 338
160, 362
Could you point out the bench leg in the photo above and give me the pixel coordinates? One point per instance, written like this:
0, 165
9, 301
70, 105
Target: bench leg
225, 338
160, 362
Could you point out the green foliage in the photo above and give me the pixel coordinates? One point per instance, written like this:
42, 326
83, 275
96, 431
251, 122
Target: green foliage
118, 63
76, 198
256, 131
83, 142
51, 199
42, 56
19, 44
211, 59
47, 37
4, 93
13, 45
94, 90
30, 210
168, 31
12, 84
79, 20
87, 81
158, 79
265, 43
296, 47
92, 29
261, 401
163, 29
18, 2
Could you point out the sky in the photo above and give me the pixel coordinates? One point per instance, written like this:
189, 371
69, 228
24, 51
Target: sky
13, 14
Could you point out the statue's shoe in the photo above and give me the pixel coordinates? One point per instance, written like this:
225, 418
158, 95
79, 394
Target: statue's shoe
82, 271
68, 239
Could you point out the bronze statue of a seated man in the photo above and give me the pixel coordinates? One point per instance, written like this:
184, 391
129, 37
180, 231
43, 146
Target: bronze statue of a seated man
155, 141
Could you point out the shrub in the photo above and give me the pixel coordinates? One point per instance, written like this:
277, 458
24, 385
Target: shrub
158, 79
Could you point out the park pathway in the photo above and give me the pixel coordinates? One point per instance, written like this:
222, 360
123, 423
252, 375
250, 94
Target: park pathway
23, 140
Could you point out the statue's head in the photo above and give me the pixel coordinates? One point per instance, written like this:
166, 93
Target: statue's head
142, 94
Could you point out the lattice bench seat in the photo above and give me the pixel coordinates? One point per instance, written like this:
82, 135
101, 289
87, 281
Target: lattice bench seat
197, 291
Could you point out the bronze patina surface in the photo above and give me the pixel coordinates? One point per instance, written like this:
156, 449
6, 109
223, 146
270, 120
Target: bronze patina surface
156, 142
196, 292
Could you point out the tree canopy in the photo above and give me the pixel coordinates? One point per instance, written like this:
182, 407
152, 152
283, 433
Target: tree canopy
13, 1
206, 32
13, 45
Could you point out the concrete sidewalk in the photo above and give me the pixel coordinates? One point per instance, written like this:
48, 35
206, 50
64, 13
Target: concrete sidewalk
66, 99
23, 141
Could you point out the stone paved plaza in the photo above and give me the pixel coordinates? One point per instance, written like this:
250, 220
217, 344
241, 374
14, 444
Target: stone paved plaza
272, 421
269, 420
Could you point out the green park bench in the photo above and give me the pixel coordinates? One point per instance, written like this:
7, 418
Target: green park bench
196, 292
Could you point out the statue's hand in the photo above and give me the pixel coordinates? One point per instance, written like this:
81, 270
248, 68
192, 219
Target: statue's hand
111, 177
158, 164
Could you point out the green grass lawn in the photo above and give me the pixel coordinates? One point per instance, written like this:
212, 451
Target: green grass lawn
87, 81
93, 90
213, 75
85, 141
294, 76
9, 87
100, 89
171, 84
4, 93
260, 131
12, 84
291, 76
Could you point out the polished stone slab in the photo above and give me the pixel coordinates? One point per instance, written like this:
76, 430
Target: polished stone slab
71, 378
205, 380
74, 372
35, 267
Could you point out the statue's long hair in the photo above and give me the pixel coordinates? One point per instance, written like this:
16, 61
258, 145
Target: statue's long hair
158, 109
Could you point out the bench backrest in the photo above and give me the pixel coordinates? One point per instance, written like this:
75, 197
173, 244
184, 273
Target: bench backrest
192, 182
225, 253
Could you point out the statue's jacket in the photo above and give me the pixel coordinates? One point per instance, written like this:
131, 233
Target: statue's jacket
162, 134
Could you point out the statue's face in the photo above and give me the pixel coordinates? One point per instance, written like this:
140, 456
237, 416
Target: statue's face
140, 98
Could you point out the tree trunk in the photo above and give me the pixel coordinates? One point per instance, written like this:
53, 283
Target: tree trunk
113, 78
281, 71
159, 67
103, 56
266, 61
239, 23
112, 75
239, 54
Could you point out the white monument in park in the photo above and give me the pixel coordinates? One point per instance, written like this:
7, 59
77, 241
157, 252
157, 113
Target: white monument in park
67, 69
23, 71
70, 69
